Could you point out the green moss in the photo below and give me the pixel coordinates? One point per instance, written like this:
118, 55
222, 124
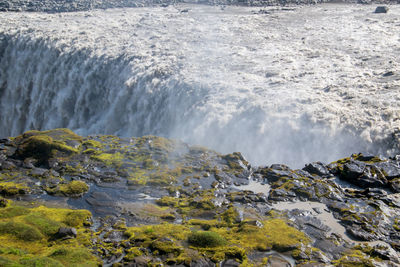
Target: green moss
73, 188
74, 168
41, 222
161, 178
207, 224
231, 252
165, 247
77, 218
152, 232
74, 257
43, 147
40, 261
22, 242
132, 253
138, 177
91, 151
274, 233
168, 201
235, 162
13, 211
230, 215
110, 158
206, 239
8, 263
21, 231
12, 189
92, 144
161, 143
396, 224
354, 258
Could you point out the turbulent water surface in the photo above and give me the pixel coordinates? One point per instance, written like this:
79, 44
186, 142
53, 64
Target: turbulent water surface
288, 85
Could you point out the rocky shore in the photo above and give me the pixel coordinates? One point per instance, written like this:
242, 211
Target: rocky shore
53, 6
68, 200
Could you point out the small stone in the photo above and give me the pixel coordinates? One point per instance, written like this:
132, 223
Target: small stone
389, 73
3, 202
318, 210
381, 9
231, 263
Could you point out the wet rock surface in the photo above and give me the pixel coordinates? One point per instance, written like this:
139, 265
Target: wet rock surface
148, 196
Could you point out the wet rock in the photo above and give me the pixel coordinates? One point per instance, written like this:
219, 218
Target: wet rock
359, 234
140, 261
102, 203
386, 252
275, 172
5, 140
381, 9
202, 262
330, 247
66, 233
281, 195
363, 175
395, 185
29, 163
7, 165
38, 171
318, 210
317, 168
391, 169
277, 261
230, 263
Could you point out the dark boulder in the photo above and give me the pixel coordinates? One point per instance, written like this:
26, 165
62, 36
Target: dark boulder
363, 175
66, 233
381, 9
390, 168
317, 168
385, 252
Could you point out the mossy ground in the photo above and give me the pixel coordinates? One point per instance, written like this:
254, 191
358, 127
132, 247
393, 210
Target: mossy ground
218, 242
197, 216
27, 237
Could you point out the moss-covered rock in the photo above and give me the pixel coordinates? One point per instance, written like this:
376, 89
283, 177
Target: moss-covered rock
44, 145
206, 239
26, 237
13, 189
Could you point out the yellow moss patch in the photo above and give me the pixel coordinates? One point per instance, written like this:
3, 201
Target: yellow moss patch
274, 233
151, 232
110, 158
354, 258
73, 188
92, 144
12, 189
26, 237
75, 218
59, 134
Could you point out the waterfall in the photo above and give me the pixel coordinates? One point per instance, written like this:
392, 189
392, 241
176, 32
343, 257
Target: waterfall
200, 77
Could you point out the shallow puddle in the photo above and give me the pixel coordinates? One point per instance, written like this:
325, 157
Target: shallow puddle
255, 187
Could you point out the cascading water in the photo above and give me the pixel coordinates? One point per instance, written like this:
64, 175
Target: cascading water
279, 88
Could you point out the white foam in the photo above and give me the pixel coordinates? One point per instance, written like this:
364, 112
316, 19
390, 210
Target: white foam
288, 87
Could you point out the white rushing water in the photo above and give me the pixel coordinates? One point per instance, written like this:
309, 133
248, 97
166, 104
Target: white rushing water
291, 86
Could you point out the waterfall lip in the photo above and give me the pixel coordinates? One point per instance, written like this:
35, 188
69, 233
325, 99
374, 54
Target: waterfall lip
202, 76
